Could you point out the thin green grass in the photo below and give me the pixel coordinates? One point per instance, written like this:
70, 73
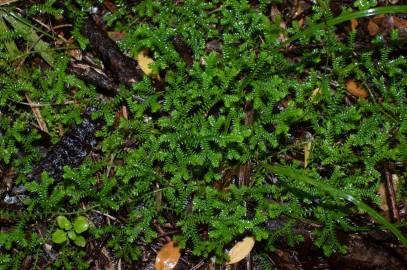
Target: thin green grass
347, 17
297, 174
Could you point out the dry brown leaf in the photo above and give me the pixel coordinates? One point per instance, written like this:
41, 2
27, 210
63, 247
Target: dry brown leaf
353, 24
378, 19
6, 2
144, 62
37, 113
116, 36
356, 89
373, 28
110, 6
167, 257
399, 23
241, 249
75, 54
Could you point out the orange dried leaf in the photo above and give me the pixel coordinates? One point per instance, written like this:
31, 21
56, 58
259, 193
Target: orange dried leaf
167, 257
354, 24
355, 89
117, 36
373, 28
399, 23
378, 19
240, 250
110, 6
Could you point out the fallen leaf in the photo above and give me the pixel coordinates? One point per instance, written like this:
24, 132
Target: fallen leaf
378, 19
116, 36
75, 54
372, 27
144, 62
110, 6
399, 23
241, 249
355, 89
167, 257
6, 2
354, 24
314, 94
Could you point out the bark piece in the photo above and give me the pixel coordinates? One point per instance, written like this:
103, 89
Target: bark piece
182, 48
124, 69
93, 76
70, 151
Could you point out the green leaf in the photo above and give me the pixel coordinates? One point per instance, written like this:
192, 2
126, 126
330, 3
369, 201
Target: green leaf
59, 236
64, 223
72, 235
81, 224
10, 45
80, 241
31, 37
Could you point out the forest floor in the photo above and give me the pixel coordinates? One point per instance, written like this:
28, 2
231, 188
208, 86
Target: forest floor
203, 134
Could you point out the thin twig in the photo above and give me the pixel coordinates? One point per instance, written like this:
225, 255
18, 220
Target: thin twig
392, 196
196, 267
36, 104
104, 214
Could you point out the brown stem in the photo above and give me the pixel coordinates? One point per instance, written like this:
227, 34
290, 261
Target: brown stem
392, 196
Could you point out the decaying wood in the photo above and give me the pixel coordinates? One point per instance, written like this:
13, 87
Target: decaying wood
76, 144
93, 76
70, 151
123, 68
182, 48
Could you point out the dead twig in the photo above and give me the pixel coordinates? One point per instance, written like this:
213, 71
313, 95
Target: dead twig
392, 196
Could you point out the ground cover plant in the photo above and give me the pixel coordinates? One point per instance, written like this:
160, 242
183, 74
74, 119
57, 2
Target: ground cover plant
128, 125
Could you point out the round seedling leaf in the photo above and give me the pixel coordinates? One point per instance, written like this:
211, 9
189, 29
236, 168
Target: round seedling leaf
59, 236
240, 250
81, 224
72, 235
64, 223
167, 257
80, 241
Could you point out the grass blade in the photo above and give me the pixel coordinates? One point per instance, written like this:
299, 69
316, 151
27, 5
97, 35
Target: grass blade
298, 174
348, 17
32, 38
11, 47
